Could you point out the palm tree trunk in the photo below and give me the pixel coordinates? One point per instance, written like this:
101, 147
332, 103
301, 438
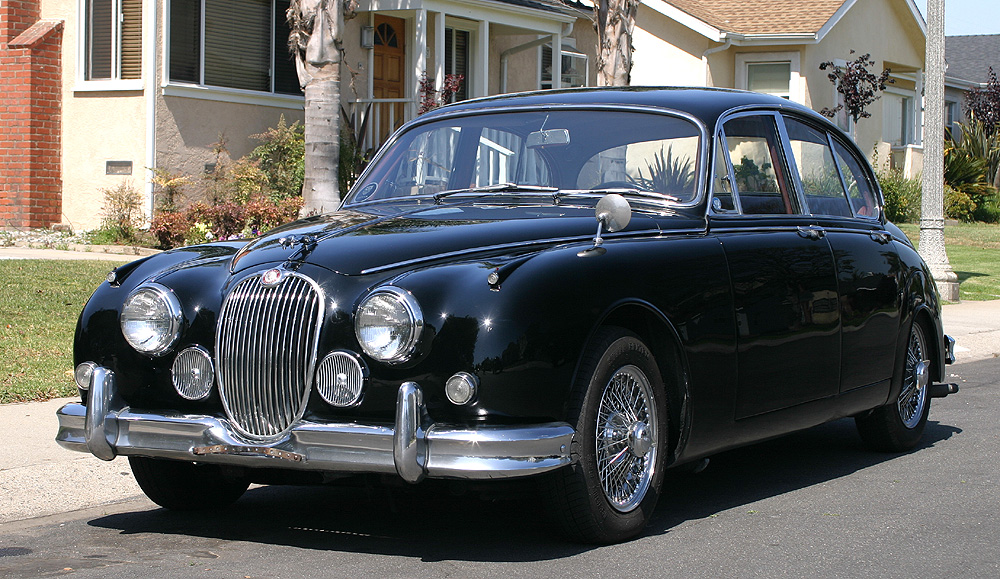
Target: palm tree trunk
320, 189
615, 20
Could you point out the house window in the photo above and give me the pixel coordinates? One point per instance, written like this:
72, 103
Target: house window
898, 119
112, 38
775, 73
241, 44
457, 45
574, 66
951, 119
770, 78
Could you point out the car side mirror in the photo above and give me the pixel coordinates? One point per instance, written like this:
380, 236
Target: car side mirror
613, 214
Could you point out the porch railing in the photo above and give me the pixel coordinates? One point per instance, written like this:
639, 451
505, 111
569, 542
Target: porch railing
376, 119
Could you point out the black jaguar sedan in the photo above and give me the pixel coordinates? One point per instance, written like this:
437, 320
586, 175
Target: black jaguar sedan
591, 287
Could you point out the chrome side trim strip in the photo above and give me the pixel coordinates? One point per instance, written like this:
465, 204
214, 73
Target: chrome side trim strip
414, 448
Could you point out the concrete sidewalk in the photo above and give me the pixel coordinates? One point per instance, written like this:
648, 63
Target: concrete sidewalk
38, 477
120, 254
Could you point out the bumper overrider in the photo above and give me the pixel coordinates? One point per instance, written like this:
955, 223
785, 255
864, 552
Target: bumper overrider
414, 447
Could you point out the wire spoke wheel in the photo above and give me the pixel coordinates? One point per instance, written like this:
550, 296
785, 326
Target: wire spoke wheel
625, 438
913, 395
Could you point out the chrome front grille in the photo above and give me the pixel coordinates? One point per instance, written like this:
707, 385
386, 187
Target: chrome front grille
265, 351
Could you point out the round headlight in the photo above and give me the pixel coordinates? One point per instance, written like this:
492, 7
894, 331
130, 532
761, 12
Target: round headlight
388, 324
151, 319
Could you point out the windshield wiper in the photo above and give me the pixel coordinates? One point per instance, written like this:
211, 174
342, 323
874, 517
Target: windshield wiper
623, 191
497, 188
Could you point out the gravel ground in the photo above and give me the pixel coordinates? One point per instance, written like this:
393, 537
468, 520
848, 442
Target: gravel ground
41, 239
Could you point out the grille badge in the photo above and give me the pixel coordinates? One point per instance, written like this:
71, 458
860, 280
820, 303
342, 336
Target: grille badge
271, 277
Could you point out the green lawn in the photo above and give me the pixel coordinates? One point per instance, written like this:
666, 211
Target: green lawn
974, 253
40, 301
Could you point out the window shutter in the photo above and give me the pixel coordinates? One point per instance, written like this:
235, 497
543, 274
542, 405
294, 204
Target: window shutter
131, 48
101, 28
185, 46
238, 44
286, 79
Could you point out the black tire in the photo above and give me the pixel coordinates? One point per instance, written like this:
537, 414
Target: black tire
898, 426
615, 507
185, 486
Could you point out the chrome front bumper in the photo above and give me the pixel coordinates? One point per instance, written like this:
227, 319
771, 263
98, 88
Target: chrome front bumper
414, 447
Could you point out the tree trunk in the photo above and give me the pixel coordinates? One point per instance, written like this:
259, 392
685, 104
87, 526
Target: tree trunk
320, 191
315, 42
615, 20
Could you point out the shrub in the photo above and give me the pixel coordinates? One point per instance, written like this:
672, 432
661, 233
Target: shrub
281, 158
958, 204
122, 213
902, 196
170, 228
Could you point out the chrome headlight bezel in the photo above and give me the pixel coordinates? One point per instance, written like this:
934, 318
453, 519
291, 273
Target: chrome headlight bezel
172, 317
410, 333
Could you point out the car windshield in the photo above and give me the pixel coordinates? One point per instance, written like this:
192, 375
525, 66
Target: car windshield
540, 152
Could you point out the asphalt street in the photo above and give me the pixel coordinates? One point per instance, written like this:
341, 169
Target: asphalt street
815, 503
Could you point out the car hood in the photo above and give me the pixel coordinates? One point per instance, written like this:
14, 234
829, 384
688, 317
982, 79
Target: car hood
356, 241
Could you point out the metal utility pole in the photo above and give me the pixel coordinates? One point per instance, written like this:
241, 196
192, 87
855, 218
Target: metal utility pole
932, 203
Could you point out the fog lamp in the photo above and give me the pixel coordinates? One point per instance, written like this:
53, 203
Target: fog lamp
461, 388
83, 373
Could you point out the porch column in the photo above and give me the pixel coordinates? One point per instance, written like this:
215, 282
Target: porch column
439, 49
557, 60
918, 113
483, 56
419, 55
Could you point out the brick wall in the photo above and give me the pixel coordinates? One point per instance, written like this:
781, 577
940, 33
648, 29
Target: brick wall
30, 116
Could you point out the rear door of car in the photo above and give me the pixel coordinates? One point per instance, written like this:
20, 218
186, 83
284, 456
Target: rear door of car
839, 192
781, 269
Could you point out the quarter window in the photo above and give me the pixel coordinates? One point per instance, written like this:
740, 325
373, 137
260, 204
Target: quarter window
112, 39
240, 44
859, 188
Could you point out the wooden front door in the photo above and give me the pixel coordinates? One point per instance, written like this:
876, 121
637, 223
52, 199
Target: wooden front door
389, 73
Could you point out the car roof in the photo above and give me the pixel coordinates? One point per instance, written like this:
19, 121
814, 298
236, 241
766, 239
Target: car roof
705, 104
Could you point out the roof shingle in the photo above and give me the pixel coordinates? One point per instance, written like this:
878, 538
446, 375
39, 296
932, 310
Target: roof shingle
970, 57
762, 16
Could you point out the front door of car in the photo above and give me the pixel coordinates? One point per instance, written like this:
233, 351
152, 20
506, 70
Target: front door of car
782, 273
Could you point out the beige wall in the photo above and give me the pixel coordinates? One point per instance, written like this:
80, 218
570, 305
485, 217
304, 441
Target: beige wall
887, 31
666, 53
96, 127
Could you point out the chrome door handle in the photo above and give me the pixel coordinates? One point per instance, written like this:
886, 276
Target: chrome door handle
882, 237
812, 232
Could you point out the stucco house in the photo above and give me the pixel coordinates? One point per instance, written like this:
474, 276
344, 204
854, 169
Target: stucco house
99, 91
969, 61
120, 86
776, 46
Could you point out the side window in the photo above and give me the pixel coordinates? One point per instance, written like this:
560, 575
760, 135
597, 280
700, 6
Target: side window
758, 167
722, 188
821, 185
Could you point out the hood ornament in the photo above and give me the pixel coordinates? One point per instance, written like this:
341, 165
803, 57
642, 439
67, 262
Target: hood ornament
305, 243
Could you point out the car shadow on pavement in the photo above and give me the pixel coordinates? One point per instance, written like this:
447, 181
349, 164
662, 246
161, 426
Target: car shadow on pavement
438, 520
